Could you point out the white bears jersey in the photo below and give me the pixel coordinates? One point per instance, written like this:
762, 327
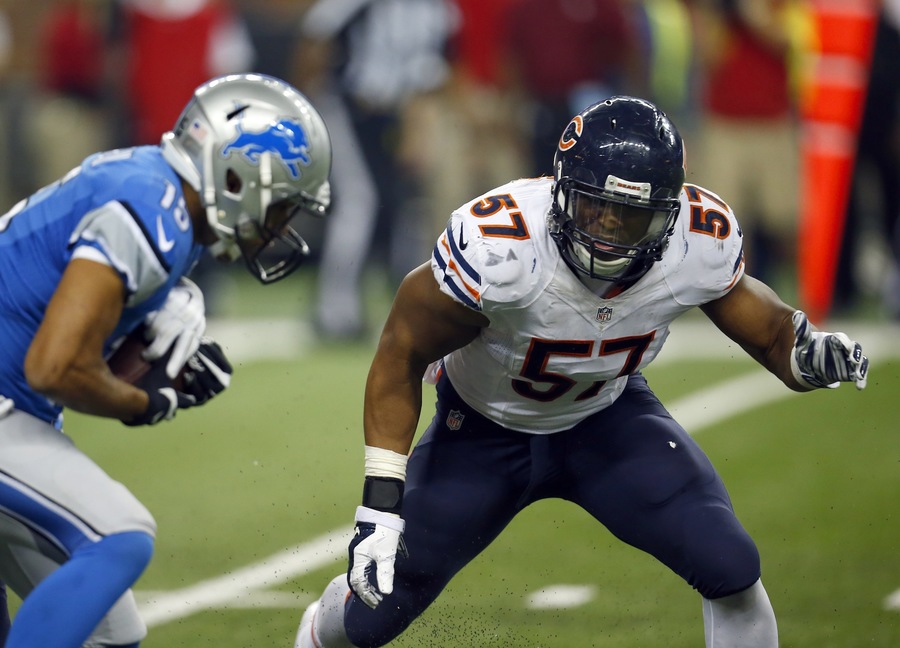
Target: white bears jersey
554, 352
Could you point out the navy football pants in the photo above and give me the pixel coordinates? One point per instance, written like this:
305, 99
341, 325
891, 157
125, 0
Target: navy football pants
4, 614
630, 466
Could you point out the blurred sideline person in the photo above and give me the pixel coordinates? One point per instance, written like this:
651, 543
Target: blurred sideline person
543, 301
589, 50
467, 136
371, 70
875, 188
86, 261
747, 126
165, 49
71, 89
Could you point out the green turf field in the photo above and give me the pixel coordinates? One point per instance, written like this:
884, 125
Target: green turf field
276, 464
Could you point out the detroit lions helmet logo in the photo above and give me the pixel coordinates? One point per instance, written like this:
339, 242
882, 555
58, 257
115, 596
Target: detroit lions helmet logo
285, 139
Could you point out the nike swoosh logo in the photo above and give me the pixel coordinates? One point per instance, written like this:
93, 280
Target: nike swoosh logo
165, 244
463, 244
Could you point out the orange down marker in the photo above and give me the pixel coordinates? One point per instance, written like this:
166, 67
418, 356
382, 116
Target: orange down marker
831, 111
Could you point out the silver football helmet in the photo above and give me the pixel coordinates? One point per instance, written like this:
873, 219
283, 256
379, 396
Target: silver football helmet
257, 152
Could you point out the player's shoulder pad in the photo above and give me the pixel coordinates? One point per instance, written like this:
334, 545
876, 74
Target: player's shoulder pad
707, 246
150, 191
488, 252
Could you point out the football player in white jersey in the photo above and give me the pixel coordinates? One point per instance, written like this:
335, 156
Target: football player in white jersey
542, 302
85, 262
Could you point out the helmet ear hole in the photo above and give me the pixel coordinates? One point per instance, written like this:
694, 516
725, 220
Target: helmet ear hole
233, 183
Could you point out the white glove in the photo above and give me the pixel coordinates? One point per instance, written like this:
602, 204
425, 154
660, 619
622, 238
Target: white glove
180, 322
826, 359
378, 540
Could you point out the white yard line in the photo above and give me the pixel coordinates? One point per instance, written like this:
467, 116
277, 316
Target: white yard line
892, 602
234, 587
728, 399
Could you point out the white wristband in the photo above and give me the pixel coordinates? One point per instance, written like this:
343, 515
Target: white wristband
381, 518
800, 378
798, 375
381, 462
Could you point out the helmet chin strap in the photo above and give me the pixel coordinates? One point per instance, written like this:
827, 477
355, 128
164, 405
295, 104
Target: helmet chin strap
591, 263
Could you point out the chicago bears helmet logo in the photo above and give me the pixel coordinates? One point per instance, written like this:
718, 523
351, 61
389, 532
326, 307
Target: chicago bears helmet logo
571, 134
286, 139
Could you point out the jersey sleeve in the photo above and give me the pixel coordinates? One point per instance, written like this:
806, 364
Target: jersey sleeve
484, 272
455, 264
112, 232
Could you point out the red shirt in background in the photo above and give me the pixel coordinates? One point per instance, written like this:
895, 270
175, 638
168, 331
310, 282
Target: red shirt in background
168, 59
72, 48
477, 42
751, 81
560, 44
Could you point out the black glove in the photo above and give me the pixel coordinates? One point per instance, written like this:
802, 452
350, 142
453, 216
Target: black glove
164, 399
207, 372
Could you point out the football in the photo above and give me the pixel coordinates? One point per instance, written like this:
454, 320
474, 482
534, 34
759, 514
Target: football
127, 362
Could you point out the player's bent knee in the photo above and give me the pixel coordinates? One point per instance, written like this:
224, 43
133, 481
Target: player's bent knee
725, 562
131, 550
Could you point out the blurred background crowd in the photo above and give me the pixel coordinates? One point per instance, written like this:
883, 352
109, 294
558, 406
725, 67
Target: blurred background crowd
431, 102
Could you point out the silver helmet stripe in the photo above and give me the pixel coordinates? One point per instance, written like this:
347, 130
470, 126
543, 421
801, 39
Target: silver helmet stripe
265, 183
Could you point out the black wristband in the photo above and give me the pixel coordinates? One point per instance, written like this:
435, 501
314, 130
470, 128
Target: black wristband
383, 494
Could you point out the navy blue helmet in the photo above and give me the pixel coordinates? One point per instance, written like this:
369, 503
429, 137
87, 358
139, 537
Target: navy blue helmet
618, 171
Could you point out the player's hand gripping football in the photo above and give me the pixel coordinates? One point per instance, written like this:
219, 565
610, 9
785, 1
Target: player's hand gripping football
826, 359
378, 540
207, 372
176, 327
164, 398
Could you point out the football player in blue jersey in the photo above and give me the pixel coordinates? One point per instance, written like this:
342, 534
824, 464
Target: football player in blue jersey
85, 262
542, 302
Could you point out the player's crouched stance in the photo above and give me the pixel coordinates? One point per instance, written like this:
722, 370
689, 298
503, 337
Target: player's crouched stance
543, 301
100, 257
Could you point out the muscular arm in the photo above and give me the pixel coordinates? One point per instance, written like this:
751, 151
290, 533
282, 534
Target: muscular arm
755, 317
424, 325
65, 360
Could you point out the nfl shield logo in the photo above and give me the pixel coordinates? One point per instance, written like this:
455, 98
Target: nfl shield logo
455, 419
604, 314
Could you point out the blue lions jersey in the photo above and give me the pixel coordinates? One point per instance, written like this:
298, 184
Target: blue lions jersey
124, 208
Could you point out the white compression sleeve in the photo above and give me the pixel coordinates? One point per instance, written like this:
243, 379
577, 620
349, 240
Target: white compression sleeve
742, 620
